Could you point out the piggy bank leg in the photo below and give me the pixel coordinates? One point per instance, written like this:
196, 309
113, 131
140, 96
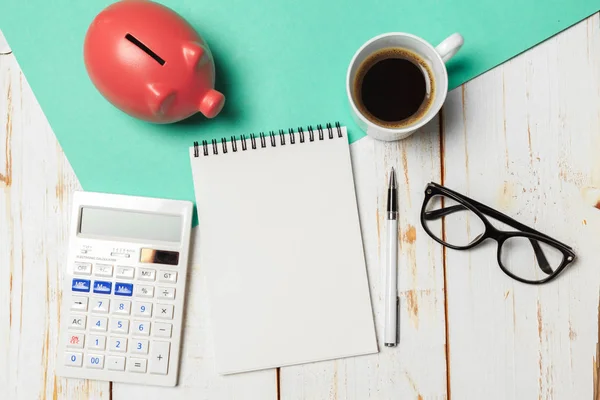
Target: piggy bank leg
212, 103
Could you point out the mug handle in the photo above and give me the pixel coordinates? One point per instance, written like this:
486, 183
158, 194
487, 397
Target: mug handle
450, 46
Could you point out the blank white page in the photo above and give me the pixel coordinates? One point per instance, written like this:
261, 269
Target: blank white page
281, 249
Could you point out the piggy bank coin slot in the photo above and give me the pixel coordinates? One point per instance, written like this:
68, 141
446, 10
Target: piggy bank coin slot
145, 48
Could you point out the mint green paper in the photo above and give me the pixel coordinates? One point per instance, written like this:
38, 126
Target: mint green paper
280, 63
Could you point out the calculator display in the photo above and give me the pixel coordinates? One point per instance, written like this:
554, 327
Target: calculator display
113, 223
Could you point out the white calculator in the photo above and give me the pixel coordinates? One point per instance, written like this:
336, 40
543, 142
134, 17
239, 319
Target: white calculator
124, 287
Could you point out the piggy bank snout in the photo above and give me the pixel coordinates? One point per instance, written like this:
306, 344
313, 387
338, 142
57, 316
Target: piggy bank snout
211, 103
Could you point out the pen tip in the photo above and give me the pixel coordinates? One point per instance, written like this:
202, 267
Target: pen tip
393, 178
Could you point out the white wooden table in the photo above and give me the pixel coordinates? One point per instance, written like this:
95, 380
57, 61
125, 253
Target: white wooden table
524, 138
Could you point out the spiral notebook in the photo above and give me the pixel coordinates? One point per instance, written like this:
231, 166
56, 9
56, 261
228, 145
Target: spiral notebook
281, 249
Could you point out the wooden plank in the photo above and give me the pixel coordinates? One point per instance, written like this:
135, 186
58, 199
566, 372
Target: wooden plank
35, 192
417, 367
524, 138
596, 373
4, 47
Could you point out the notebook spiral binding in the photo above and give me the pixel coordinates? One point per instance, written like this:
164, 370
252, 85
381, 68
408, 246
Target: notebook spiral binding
264, 140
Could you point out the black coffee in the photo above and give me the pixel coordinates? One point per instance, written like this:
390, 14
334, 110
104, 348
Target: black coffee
393, 87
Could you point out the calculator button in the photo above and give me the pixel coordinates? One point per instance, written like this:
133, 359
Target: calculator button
100, 306
105, 270
167, 293
94, 361
142, 309
115, 363
96, 342
125, 272
76, 340
82, 268
167, 276
139, 346
165, 311
162, 330
99, 324
117, 344
136, 364
147, 274
78, 322
141, 328
79, 303
73, 359
123, 289
118, 325
102, 287
80, 285
159, 357
144, 291
122, 307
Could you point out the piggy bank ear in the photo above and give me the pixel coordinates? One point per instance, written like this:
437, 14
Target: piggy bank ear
160, 98
195, 55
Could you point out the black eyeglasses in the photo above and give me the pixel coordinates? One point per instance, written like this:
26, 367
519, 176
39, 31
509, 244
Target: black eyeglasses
460, 223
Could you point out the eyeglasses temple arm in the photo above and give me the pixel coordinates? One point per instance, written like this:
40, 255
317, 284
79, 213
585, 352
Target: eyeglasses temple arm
442, 212
539, 253
490, 212
541, 257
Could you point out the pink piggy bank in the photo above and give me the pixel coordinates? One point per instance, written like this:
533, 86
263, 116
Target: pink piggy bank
149, 62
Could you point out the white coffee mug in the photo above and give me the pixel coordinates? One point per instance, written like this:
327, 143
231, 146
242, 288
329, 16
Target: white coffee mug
435, 59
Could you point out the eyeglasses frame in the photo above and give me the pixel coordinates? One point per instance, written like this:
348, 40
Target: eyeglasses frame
491, 232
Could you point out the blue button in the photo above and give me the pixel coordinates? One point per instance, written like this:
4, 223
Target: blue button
80, 285
123, 289
102, 287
